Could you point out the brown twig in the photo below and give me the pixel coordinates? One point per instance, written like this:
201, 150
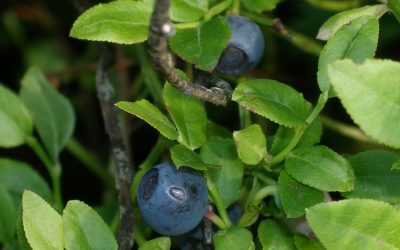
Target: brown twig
160, 29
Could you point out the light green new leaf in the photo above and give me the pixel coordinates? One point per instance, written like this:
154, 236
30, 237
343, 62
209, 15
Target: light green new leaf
189, 116
361, 224
16, 122
22, 241
188, 10
228, 178
182, 156
259, 6
52, 113
202, 45
274, 100
122, 21
369, 94
374, 176
85, 229
251, 144
42, 224
335, 5
296, 197
8, 216
152, 115
334, 23
161, 243
304, 243
394, 6
357, 41
234, 239
272, 236
321, 168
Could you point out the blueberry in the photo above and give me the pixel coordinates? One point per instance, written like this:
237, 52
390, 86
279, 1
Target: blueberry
245, 47
172, 201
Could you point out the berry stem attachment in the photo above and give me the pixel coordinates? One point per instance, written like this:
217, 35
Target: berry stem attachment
218, 202
216, 220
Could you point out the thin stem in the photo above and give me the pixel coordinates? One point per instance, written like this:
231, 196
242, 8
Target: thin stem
265, 179
216, 220
218, 202
235, 10
323, 98
217, 9
244, 118
139, 236
264, 193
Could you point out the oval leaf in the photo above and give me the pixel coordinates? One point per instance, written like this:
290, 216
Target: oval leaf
152, 115
272, 236
182, 156
234, 239
394, 6
120, 21
335, 5
361, 224
368, 94
189, 116
321, 168
161, 243
42, 224
188, 10
357, 40
273, 100
84, 228
337, 21
259, 6
16, 122
8, 216
374, 176
304, 243
251, 144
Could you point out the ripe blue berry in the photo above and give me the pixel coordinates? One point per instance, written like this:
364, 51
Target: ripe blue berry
172, 201
245, 47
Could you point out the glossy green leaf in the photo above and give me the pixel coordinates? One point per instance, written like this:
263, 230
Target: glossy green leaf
227, 178
182, 156
42, 224
296, 197
273, 100
122, 21
234, 239
335, 5
272, 236
8, 216
311, 136
259, 6
17, 176
52, 113
334, 23
394, 6
85, 229
189, 116
188, 10
304, 243
374, 176
152, 115
202, 45
368, 94
357, 41
251, 144
161, 243
321, 168
16, 122
361, 224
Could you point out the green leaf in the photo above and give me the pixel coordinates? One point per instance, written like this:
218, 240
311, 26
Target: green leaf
202, 45
16, 123
189, 116
182, 156
394, 6
296, 197
161, 243
304, 243
321, 168
361, 224
311, 136
374, 177
152, 115
259, 6
22, 241
272, 236
368, 94
334, 23
52, 113
357, 41
84, 228
42, 224
122, 21
17, 176
228, 178
217, 130
396, 165
234, 239
251, 144
8, 216
188, 10
335, 5
273, 100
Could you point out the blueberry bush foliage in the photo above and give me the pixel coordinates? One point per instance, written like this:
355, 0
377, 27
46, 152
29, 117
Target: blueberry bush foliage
301, 154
